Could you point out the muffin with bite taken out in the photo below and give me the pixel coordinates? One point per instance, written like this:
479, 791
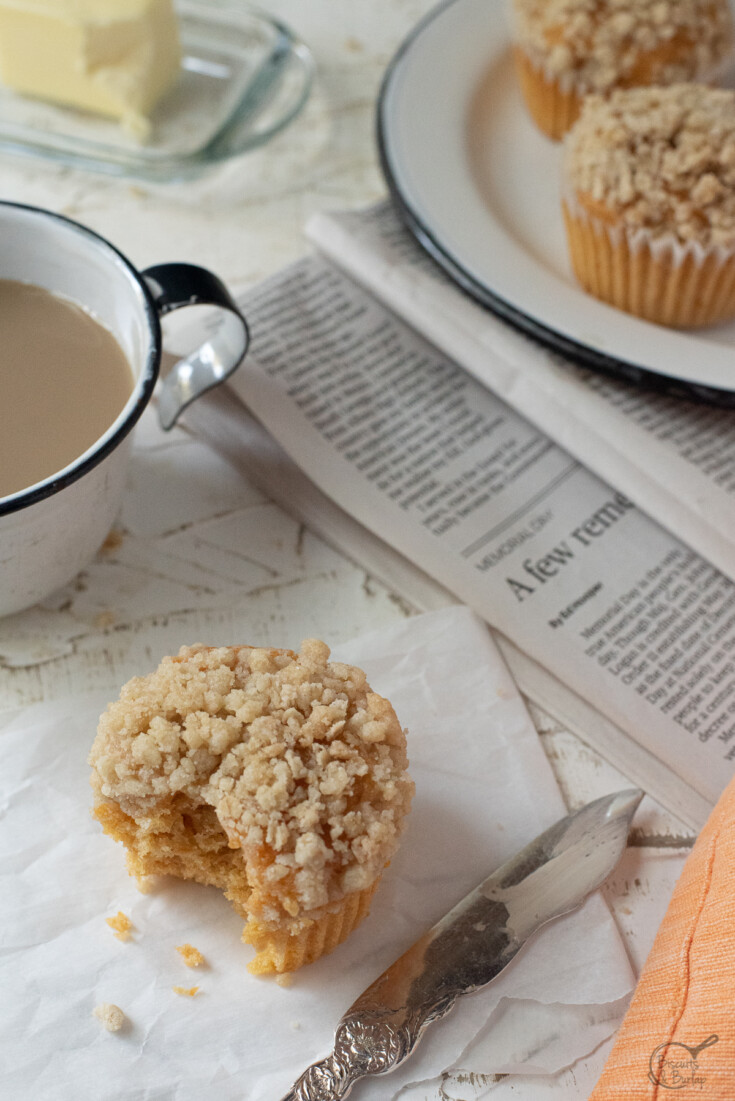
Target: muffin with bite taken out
278, 777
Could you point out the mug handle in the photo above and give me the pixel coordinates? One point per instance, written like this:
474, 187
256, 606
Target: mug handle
174, 286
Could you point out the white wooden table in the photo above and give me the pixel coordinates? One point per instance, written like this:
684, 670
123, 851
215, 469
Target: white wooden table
198, 553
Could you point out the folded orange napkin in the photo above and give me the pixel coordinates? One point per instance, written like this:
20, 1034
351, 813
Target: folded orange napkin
679, 1032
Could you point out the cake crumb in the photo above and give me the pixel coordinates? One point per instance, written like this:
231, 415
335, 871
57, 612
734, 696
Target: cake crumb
296, 1026
285, 979
145, 883
191, 956
187, 991
113, 541
120, 925
111, 1017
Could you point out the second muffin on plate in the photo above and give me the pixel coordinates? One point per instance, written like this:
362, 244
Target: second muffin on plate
649, 202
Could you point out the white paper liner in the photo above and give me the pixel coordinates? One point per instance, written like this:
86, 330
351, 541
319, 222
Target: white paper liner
662, 246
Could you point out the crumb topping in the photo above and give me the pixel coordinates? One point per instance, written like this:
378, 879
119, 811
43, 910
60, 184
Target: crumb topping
662, 159
607, 43
186, 991
303, 764
191, 956
120, 925
110, 1016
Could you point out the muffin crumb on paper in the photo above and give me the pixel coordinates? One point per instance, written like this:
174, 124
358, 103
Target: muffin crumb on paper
186, 991
110, 1016
120, 925
191, 956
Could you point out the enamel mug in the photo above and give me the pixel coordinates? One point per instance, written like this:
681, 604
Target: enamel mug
51, 530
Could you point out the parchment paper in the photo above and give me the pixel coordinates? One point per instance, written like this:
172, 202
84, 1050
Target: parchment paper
484, 789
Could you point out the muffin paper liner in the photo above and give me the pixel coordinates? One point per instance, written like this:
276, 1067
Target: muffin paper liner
279, 951
661, 279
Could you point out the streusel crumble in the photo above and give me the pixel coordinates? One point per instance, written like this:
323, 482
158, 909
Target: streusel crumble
280, 778
567, 49
663, 158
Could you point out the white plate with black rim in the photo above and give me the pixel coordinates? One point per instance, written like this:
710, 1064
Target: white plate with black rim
479, 186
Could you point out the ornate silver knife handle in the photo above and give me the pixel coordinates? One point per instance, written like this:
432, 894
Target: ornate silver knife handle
365, 1044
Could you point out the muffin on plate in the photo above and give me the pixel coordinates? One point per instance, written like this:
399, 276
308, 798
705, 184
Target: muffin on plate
278, 777
567, 49
649, 202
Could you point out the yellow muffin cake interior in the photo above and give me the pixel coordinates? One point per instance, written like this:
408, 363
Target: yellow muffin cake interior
278, 778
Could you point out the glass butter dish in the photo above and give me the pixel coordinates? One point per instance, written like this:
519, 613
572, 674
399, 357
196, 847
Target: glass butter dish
244, 76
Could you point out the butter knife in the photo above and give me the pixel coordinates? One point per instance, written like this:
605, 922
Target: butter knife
471, 945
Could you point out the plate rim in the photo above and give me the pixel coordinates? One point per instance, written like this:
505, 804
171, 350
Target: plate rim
579, 352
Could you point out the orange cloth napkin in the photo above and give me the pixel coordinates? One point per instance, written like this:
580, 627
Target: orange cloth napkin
678, 1036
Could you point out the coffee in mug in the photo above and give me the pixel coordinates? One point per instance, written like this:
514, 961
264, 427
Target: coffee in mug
64, 379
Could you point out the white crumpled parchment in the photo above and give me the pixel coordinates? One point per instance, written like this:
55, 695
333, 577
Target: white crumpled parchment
483, 789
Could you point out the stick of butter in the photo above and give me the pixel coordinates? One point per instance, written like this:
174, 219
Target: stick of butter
112, 57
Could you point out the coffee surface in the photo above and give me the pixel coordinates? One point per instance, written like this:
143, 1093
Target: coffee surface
63, 381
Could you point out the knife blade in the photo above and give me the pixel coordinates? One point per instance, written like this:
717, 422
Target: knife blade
471, 944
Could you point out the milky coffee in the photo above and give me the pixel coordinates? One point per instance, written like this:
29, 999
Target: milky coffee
63, 381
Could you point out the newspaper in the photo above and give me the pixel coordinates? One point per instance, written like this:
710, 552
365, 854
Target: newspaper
674, 458
566, 566
227, 424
